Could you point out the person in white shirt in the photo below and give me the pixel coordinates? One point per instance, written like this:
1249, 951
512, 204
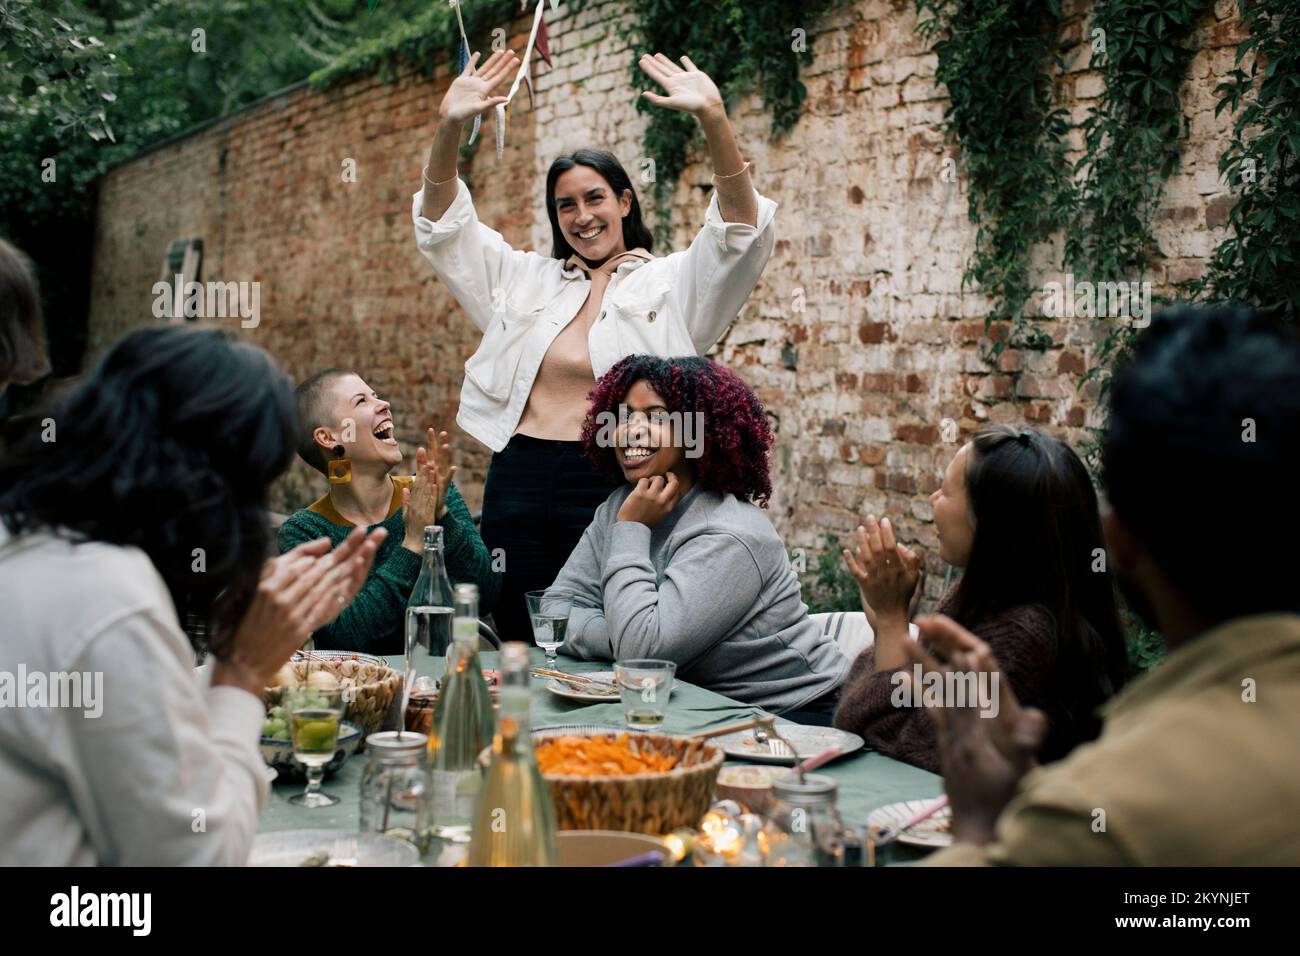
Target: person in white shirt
145, 507
554, 324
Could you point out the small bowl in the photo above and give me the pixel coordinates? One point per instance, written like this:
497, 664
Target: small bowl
278, 754
749, 785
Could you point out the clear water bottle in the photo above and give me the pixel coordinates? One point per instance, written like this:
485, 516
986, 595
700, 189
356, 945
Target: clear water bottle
428, 616
462, 727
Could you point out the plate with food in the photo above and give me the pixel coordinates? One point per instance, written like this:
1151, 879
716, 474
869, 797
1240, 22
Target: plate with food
807, 742
330, 848
935, 831
592, 687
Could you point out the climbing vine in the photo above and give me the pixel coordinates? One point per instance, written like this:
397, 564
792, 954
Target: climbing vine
429, 37
1131, 139
1259, 261
740, 44
993, 57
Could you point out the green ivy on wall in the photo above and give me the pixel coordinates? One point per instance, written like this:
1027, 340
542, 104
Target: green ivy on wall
431, 36
993, 58
1259, 261
740, 44
1131, 146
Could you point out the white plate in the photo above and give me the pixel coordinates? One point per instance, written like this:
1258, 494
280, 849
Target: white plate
933, 832
571, 692
292, 847
807, 742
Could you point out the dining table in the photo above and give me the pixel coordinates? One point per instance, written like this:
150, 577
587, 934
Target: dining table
866, 779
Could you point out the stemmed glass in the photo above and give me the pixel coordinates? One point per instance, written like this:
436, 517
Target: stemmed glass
550, 613
314, 717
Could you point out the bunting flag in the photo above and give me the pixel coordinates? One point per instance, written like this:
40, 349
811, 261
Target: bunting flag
519, 78
544, 45
464, 59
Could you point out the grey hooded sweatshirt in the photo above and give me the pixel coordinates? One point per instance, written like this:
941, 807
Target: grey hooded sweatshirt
711, 589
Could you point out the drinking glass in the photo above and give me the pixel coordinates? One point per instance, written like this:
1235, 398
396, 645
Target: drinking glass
314, 717
549, 610
644, 685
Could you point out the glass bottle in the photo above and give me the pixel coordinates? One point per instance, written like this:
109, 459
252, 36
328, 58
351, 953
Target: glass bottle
803, 827
515, 823
396, 788
428, 615
462, 726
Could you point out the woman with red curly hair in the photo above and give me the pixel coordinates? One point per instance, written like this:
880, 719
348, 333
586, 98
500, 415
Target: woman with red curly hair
680, 563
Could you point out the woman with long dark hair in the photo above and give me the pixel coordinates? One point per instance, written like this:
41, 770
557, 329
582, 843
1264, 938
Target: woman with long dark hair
1016, 510
553, 325
136, 503
680, 563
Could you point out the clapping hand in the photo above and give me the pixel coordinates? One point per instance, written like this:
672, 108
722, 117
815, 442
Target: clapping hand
299, 592
985, 747
426, 500
889, 575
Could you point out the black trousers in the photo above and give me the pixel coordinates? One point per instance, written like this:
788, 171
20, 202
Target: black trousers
538, 499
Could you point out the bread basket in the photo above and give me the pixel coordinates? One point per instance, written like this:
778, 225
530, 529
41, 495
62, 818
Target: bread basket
655, 803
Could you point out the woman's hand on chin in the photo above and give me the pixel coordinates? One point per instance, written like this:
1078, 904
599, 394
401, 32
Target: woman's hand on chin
652, 500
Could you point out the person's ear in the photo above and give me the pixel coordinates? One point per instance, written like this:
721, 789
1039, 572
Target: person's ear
625, 202
324, 439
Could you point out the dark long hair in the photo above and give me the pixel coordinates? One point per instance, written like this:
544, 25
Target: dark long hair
635, 233
1038, 539
169, 446
736, 437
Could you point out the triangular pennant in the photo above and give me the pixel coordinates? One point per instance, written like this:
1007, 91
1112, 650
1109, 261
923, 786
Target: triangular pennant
544, 44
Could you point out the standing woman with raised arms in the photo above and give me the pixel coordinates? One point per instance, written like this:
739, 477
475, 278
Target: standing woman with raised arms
553, 325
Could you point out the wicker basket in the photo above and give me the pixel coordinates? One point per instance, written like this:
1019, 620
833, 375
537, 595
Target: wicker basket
377, 689
654, 803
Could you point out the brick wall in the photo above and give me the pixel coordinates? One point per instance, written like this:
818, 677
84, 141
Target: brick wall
871, 239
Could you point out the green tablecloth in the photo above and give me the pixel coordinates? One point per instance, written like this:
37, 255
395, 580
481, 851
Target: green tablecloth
866, 779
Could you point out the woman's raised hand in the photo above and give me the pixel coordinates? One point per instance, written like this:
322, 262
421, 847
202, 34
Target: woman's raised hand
471, 93
689, 89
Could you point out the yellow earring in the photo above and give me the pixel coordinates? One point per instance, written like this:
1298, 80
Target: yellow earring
339, 471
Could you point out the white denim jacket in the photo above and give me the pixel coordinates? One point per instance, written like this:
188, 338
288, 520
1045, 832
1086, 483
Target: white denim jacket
679, 304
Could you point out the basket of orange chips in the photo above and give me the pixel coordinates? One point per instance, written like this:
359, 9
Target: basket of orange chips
608, 779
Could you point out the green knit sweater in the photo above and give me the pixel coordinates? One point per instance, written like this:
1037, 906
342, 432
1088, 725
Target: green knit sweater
374, 622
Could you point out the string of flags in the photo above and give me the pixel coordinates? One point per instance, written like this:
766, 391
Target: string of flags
538, 39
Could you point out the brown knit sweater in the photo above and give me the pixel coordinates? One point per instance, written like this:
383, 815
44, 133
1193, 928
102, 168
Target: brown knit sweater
1023, 641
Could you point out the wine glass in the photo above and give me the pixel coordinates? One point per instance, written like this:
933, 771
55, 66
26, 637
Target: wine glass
314, 717
549, 610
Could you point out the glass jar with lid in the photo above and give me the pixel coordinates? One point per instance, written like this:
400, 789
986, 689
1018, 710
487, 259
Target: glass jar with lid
397, 788
803, 827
